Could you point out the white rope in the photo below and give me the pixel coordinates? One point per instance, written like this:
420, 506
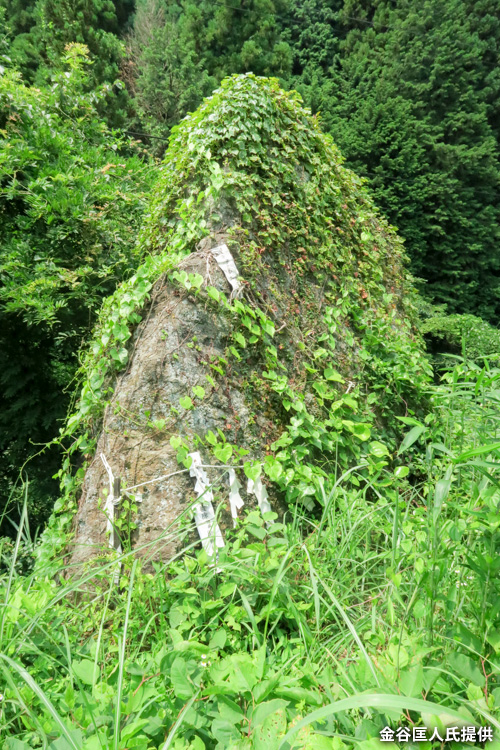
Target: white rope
204, 514
157, 479
181, 471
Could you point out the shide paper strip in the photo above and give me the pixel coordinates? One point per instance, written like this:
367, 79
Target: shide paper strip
204, 515
235, 501
226, 263
258, 489
109, 509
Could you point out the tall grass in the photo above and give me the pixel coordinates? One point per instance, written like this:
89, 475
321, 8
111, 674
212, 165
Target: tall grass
312, 633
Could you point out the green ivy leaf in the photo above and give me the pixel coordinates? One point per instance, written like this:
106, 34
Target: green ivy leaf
240, 339
378, 449
252, 469
223, 452
86, 671
331, 374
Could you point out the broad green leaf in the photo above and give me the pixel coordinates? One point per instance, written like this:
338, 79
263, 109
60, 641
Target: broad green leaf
223, 452
252, 469
330, 374
129, 730
181, 684
218, 639
213, 293
378, 449
86, 671
211, 438
411, 437
361, 430
263, 710
273, 468
466, 667
196, 280
224, 732
12, 743
229, 710
267, 735
411, 681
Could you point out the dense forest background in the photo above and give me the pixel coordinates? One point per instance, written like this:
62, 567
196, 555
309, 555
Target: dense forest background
89, 92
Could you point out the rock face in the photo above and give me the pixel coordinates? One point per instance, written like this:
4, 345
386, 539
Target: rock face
170, 345
286, 370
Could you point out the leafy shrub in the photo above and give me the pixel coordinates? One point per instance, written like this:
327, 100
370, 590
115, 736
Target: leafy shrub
71, 198
468, 335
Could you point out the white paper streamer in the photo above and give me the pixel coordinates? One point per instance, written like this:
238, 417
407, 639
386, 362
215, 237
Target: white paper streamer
109, 509
226, 263
204, 515
258, 489
235, 500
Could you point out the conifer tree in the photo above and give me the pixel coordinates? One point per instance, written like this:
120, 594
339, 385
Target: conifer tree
410, 112
178, 54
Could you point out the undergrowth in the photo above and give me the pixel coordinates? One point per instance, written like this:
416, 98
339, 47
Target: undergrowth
312, 633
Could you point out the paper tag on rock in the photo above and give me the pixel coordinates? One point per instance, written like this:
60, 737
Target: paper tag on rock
226, 263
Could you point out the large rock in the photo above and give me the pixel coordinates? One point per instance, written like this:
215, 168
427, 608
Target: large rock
305, 353
168, 357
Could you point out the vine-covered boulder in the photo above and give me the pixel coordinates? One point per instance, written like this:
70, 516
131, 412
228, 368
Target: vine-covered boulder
268, 335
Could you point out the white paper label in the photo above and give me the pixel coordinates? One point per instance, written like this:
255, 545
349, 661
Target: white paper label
226, 263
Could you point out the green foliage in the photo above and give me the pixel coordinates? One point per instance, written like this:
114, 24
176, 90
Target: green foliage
467, 335
410, 109
40, 30
162, 70
178, 53
71, 197
410, 95
378, 595
324, 630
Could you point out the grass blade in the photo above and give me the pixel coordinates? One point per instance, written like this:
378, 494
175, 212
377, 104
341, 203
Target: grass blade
42, 697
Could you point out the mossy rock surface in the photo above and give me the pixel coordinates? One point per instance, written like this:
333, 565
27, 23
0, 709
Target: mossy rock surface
310, 362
